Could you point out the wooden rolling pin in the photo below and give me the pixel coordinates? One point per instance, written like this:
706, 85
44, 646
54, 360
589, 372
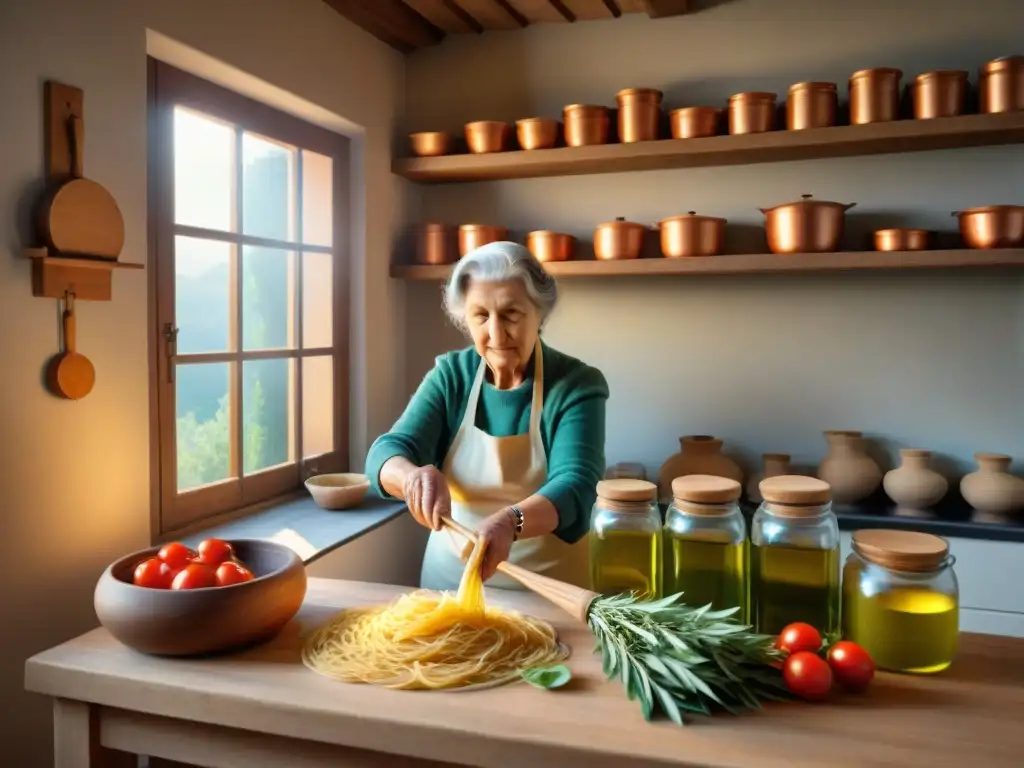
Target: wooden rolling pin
572, 599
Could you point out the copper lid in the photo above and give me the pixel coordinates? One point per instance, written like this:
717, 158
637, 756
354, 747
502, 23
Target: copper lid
695, 110
474, 227
813, 85
627, 490
1002, 64
876, 72
901, 550
894, 231
528, 120
705, 489
585, 110
957, 73
753, 96
428, 133
797, 490
640, 94
988, 209
691, 215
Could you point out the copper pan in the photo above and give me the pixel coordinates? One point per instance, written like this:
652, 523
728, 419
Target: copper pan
805, 226
875, 95
751, 112
992, 226
472, 236
1001, 85
430, 143
691, 235
939, 94
639, 114
586, 124
435, 244
902, 239
537, 132
694, 122
484, 136
811, 105
619, 239
546, 245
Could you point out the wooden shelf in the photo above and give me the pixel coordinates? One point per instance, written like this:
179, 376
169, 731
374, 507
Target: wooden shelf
88, 279
773, 147
759, 263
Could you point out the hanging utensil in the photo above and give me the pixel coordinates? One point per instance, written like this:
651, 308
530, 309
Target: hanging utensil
80, 217
70, 374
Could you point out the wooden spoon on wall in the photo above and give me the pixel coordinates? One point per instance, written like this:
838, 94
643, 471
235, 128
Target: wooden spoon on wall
71, 374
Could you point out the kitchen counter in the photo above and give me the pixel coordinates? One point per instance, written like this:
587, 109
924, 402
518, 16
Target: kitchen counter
264, 708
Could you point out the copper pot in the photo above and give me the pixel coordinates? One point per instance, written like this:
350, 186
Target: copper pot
639, 114
472, 236
992, 226
751, 112
939, 94
1001, 85
435, 244
619, 239
546, 245
875, 95
430, 143
537, 132
485, 136
586, 124
694, 122
691, 235
902, 239
806, 226
811, 105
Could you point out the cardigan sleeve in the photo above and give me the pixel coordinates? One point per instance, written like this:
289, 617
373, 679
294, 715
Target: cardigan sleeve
576, 460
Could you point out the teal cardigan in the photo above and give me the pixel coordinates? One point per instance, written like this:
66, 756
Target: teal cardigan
572, 427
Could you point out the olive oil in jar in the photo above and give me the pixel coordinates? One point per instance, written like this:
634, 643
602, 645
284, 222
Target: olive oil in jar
705, 543
901, 600
794, 556
625, 539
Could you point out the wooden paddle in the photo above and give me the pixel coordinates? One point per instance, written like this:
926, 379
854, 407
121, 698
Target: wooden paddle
80, 217
572, 599
71, 374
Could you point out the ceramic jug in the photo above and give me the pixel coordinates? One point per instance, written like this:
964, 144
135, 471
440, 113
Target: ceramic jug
847, 467
914, 484
698, 455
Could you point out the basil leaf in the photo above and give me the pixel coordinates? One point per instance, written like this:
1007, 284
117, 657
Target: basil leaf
547, 677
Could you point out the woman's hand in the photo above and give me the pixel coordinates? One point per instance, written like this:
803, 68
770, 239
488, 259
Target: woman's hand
496, 533
426, 494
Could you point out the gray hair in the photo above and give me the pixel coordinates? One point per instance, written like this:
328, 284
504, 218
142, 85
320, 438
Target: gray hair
497, 262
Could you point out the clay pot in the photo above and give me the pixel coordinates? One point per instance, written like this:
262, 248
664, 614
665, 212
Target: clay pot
913, 484
992, 489
846, 467
774, 464
698, 455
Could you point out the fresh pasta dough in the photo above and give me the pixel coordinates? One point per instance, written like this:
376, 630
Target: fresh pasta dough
428, 640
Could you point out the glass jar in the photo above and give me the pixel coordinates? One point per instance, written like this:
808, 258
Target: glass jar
901, 600
625, 538
794, 556
705, 544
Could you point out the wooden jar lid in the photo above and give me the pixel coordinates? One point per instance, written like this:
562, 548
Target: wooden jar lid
795, 490
627, 490
901, 550
705, 489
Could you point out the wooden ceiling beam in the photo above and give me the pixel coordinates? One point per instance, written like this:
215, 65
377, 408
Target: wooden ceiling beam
662, 9
559, 6
391, 21
613, 8
513, 13
466, 16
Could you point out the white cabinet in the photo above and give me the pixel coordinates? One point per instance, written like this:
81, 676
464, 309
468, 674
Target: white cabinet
991, 575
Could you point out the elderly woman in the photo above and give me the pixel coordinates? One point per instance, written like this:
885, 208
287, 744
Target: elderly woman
505, 436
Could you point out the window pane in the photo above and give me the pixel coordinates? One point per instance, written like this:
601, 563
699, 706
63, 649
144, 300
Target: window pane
317, 199
268, 188
268, 434
317, 405
202, 295
204, 171
268, 298
203, 432
317, 305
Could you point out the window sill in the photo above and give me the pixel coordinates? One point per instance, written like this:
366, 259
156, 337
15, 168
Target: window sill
311, 532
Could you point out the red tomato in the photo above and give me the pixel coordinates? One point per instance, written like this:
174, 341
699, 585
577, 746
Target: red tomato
852, 666
195, 576
232, 573
176, 555
807, 675
153, 573
215, 551
798, 637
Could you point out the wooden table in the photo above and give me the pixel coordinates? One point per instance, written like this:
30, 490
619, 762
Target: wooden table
263, 709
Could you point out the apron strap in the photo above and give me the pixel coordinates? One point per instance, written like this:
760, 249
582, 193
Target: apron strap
537, 405
473, 401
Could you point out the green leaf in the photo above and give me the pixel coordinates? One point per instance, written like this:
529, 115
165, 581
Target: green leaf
547, 677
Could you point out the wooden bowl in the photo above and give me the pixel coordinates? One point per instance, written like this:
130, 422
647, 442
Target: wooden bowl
338, 491
193, 622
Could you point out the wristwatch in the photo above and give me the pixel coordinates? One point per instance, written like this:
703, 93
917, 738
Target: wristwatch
518, 514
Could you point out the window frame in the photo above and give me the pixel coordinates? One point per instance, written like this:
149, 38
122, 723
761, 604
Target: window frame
171, 510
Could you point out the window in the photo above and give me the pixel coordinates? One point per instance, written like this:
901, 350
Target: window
248, 225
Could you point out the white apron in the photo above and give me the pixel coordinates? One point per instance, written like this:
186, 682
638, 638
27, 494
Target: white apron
486, 474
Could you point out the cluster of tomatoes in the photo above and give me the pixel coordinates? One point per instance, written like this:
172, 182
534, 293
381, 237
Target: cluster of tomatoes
810, 676
211, 564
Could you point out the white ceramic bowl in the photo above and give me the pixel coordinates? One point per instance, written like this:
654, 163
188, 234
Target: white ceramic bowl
338, 491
